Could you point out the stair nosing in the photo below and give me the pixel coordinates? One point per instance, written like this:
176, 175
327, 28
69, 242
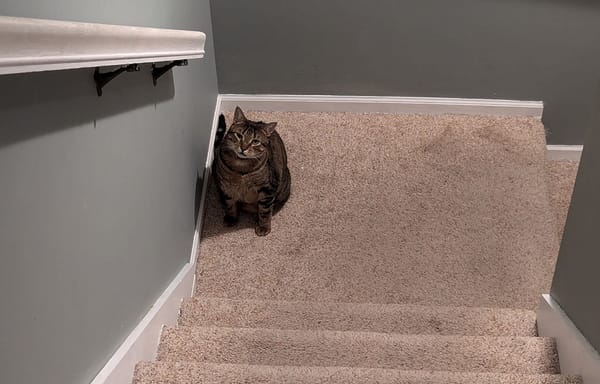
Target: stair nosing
354, 368
381, 334
191, 300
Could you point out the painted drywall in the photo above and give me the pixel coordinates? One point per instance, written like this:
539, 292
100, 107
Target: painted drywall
97, 195
524, 50
576, 285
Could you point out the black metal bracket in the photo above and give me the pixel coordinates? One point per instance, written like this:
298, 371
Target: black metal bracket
157, 72
102, 79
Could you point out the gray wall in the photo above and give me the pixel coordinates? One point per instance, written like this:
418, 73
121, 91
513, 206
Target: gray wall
97, 195
576, 286
510, 49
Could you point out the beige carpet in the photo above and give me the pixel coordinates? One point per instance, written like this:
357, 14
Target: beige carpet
203, 373
381, 318
525, 355
396, 209
412, 251
222, 341
561, 179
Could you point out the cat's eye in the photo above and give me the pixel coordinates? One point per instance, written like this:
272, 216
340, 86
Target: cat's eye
255, 142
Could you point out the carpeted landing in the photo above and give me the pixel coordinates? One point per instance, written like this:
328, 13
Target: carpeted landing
413, 250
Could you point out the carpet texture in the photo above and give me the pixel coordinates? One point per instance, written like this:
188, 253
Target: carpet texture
412, 251
561, 180
387, 208
387, 318
260, 346
196, 373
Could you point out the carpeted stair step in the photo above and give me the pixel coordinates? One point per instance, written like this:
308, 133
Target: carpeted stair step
385, 318
526, 355
395, 208
193, 373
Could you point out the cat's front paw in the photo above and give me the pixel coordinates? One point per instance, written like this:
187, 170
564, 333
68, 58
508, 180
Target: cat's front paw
230, 221
262, 230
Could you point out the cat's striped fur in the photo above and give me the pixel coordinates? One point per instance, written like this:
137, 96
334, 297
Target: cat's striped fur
251, 170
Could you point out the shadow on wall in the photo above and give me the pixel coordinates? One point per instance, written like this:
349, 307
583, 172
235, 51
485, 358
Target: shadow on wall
33, 104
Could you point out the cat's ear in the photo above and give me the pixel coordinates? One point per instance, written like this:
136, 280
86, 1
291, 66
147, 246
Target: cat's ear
238, 116
269, 128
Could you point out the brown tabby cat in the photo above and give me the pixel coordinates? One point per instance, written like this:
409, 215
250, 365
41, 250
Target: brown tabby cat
251, 170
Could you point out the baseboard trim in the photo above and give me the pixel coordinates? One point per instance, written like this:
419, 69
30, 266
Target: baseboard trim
387, 104
382, 104
142, 342
577, 356
564, 152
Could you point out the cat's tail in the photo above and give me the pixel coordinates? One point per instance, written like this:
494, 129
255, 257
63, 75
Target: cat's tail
221, 129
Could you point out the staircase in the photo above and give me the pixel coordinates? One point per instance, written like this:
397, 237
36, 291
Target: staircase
261, 341
413, 251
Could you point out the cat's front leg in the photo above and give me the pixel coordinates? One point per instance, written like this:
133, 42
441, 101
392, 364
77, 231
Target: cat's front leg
232, 214
266, 198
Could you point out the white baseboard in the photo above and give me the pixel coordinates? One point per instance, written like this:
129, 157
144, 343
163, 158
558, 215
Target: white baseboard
386, 104
564, 152
577, 356
382, 104
142, 342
